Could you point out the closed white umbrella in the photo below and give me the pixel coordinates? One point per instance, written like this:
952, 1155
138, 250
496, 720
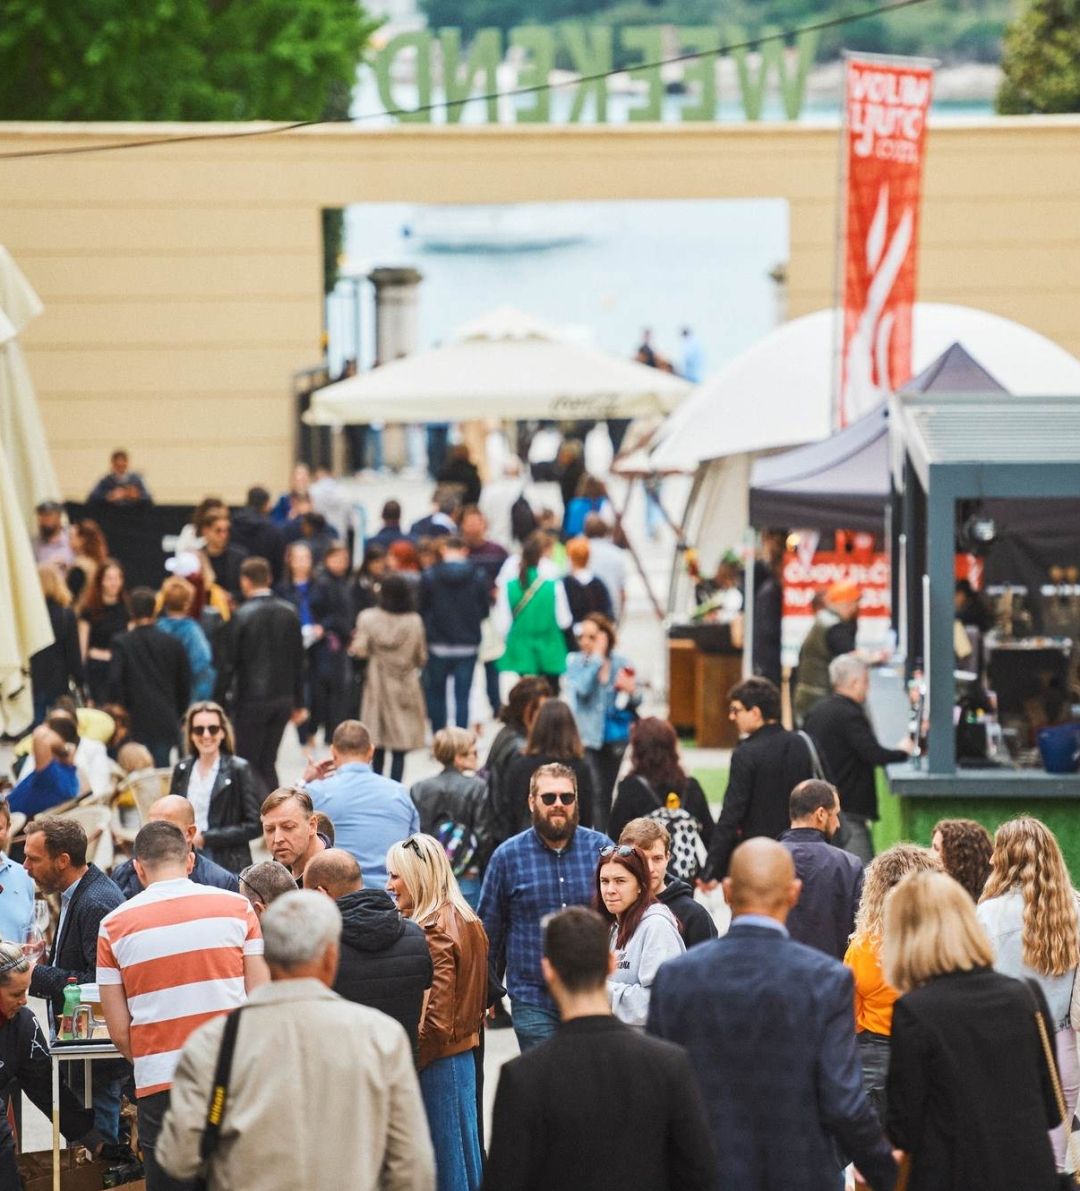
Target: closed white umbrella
21, 430
505, 364
24, 620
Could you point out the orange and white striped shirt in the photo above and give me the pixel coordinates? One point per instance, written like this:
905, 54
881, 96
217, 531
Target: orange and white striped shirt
178, 950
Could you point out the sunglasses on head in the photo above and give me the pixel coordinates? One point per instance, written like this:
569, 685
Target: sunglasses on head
566, 797
411, 843
206, 730
616, 850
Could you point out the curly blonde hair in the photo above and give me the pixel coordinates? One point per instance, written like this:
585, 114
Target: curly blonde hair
883, 874
1027, 858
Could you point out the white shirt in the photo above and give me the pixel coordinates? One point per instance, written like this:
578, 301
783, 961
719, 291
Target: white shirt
608, 563
94, 767
199, 791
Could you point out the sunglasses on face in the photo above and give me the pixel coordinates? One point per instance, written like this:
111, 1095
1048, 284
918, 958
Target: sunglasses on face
566, 798
206, 730
616, 850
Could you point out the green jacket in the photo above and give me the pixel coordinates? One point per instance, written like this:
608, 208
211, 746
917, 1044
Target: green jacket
535, 643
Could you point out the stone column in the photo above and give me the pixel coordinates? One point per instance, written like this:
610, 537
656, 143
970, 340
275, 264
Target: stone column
397, 334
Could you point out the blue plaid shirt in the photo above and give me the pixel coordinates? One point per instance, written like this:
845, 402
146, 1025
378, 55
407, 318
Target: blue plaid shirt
525, 881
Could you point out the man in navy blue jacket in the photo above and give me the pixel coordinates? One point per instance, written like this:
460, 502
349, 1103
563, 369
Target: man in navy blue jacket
178, 811
831, 878
769, 1027
454, 603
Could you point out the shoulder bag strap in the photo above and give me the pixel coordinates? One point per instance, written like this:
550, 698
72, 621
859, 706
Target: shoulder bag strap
219, 1092
648, 786
526, 599
815, 761
1055, 1081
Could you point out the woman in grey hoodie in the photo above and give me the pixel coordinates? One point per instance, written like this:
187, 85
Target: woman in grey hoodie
644, 933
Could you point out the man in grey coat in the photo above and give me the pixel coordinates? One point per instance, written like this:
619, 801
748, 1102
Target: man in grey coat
296, 1039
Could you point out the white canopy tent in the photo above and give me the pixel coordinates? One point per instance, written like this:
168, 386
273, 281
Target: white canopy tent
505, 364
33, 478
24, 619
778, 394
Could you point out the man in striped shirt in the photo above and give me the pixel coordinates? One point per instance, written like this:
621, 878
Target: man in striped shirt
174, 956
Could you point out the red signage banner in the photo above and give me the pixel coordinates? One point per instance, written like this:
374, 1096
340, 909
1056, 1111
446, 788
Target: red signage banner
806, 576
885, 108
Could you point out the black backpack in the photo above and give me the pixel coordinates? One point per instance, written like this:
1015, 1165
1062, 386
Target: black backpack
522, 518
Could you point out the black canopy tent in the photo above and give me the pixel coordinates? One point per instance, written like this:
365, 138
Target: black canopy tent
843, 481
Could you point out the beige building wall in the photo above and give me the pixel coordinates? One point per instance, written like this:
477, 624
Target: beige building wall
182, 282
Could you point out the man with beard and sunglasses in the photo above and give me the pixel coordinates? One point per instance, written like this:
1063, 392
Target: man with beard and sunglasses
545, 868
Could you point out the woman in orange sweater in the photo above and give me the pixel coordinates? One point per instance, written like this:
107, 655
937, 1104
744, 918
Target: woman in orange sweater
874, 996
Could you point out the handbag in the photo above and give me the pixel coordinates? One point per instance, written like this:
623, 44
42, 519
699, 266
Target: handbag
816, 767
1066, 1181
219, 1095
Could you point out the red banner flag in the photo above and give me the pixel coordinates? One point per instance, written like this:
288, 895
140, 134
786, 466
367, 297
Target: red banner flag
886, 103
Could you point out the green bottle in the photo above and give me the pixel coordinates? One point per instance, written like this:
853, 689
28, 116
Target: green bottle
72, 996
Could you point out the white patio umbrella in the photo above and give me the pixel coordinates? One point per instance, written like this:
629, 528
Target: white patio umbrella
505, 364
24, 620
21, 430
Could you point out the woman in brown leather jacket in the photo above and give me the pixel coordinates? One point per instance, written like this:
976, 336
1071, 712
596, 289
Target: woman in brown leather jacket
421, 880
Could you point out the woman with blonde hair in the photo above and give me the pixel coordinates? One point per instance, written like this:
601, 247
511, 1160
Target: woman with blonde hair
970, 1089
874, 996
423, 884
1028, 910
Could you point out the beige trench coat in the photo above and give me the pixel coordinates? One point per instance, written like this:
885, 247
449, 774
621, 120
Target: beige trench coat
393, 707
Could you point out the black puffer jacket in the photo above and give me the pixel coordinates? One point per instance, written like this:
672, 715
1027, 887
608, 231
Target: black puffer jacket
385, 961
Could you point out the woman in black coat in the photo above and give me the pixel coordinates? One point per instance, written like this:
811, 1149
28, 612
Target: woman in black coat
970, 1096
220, 787
56, 667
553, 736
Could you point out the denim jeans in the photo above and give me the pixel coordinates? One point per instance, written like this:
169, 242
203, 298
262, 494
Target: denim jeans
106, 1087
874, 1060
533, 1024
448, 1087
439, 669
491, 682
470, 889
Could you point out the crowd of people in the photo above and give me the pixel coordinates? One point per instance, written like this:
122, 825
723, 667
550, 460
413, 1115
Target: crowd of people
906, 1016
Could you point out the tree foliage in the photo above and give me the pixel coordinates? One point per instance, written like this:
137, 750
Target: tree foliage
1041, 59
177, 59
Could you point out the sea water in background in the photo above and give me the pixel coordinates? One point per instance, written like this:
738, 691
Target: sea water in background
608, 269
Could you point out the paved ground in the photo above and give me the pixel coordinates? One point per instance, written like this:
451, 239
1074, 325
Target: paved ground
641, 638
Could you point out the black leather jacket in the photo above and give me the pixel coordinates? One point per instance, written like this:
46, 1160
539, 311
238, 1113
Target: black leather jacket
263, 653
233, 817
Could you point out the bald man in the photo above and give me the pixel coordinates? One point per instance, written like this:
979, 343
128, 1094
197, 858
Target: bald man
178, 811
769, 1027
385, 962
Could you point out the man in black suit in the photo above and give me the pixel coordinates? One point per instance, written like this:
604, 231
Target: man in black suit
150, 675
262, 668
832, 879
841, 730
599, 1105
55, 856
766, 765
769, 1025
